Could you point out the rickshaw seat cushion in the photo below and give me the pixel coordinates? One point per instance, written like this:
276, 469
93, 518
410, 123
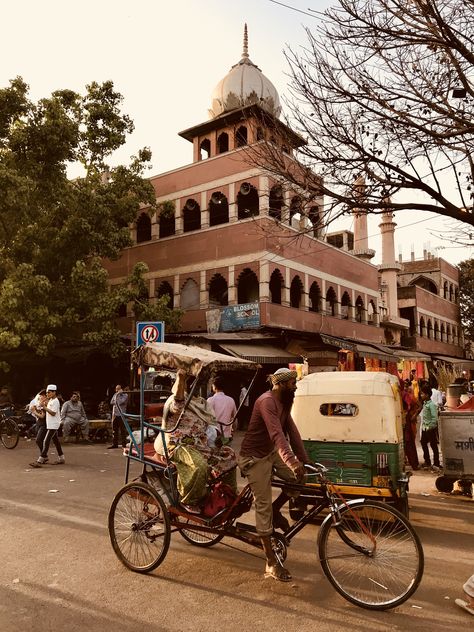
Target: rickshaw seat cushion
149, 454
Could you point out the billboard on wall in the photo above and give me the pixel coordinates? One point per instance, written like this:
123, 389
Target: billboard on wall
233, 317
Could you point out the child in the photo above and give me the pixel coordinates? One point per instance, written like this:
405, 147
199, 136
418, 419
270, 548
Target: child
429, 429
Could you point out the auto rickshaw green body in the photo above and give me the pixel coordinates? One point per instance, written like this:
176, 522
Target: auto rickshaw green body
351, 422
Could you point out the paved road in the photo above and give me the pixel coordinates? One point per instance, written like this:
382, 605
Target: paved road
58, 571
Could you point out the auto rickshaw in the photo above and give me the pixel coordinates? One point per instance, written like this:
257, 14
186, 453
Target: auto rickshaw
351, 422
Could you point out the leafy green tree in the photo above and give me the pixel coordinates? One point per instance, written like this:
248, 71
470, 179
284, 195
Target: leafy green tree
466, 296
54, 230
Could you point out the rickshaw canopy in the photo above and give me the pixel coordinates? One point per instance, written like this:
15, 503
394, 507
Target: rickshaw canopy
174, 356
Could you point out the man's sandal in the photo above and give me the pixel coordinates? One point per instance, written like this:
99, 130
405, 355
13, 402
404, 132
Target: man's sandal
278, 572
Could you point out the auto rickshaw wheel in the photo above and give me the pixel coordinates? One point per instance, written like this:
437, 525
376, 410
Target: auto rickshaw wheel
444, 484
139, 527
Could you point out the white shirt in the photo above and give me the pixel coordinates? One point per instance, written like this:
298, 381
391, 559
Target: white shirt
53, 421
436, 397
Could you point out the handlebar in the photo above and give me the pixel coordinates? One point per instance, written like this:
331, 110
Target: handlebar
315, 469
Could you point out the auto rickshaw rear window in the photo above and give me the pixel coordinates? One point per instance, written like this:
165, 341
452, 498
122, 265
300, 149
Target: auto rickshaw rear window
339, 410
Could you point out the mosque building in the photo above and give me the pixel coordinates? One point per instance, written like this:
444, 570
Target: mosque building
245, 258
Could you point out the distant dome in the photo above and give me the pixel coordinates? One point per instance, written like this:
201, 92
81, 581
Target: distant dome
243, 85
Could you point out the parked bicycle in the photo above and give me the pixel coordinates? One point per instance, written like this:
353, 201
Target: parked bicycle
9, 430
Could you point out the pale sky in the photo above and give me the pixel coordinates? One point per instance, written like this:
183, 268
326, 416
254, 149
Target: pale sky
165, 59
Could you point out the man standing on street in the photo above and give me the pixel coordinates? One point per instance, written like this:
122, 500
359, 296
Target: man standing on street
73, 414
223, 407
53, 421
272, 444
119, 401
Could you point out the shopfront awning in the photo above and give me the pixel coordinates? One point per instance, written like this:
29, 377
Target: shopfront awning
460, 363
263, 354
404, 354
340, 343
367, 351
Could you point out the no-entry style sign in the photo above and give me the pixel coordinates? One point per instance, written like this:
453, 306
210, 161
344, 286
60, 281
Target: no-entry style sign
150, 332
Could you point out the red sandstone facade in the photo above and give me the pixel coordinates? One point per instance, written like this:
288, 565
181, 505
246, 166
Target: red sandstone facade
235, 238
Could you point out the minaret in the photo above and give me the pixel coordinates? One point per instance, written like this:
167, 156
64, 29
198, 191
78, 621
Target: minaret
388, 270
361, 238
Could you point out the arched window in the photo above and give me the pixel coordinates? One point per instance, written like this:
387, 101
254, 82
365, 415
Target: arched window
218, 209
191, 216
167, 226
451, 292
445, 290
436, 331
314, 297
359, 309
371, 313
275, 202
295, 207
430, 329
241, 136
223, 143
205, 149
331, 301
296, 292
218, 291
247, 287
143, 228
443, 333
247, 201
260, 134
276, 285
448, 333
345, 305
165, 289
456, 295
422, 327
190, 295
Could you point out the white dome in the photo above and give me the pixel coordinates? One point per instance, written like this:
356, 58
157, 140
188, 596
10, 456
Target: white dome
243, 85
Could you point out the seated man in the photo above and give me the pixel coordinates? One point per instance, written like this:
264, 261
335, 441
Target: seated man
266, 450
192, 445
72, 415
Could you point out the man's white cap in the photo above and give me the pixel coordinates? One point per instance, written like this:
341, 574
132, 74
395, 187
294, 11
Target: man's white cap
51, 387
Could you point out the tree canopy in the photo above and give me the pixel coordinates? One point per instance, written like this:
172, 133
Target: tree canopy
383, 95
466, 297
55, 230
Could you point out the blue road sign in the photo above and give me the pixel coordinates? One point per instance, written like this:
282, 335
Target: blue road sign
150, 332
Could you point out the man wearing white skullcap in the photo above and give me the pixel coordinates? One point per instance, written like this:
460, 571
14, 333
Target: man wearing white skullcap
272, 444
53, 421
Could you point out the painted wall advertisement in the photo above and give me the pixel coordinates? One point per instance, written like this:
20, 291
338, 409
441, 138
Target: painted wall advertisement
233, 318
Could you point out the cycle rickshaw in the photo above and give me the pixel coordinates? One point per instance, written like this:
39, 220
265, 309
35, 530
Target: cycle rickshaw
368, 550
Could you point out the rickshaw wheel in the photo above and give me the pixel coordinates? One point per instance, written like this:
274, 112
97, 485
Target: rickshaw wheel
9, 433
199, 538
139, 527
371, 555
444, 484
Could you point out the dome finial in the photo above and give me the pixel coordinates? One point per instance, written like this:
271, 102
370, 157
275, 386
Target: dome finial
245, 52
